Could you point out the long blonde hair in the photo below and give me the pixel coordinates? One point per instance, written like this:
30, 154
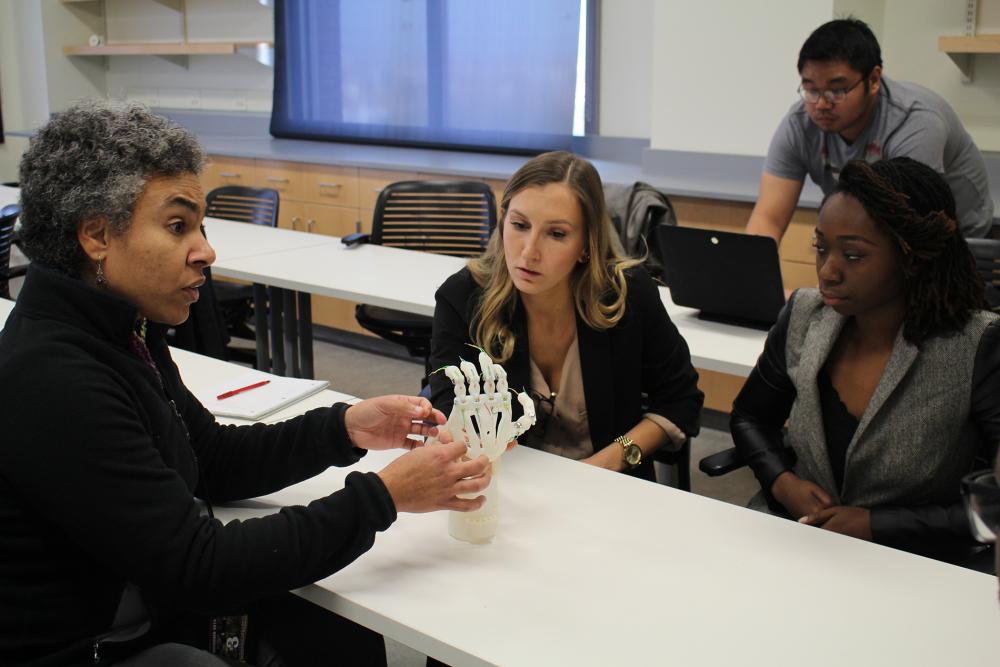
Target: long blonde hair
598, 285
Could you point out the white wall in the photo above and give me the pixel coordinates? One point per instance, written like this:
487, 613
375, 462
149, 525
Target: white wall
871, 12
70, 79
724, 71
909, 50
231, 83
23, 92
711, 77
625, 69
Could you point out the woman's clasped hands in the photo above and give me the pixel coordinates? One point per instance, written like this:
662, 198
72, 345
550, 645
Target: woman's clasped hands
813, 506
429, 477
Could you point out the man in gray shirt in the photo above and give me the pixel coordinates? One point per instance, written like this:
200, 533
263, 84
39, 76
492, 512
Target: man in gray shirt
850, 111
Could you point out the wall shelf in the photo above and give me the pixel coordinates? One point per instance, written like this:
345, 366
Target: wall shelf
962, 48
176, 49
969, 44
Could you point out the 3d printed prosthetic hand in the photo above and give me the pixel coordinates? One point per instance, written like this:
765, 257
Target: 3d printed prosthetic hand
483, 419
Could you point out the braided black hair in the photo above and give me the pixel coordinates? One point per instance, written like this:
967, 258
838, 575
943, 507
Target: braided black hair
914, 205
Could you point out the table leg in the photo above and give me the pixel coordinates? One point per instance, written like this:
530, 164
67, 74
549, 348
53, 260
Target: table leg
277, 332
305, 334
260, 326
291, 332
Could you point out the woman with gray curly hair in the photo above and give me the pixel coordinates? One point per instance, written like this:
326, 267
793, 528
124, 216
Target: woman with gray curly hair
108, 464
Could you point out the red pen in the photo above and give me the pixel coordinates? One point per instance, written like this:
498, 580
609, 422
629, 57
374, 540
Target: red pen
233, 392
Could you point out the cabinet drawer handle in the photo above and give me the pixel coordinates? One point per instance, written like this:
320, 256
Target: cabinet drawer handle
309, 225
294, 222
230, 174
275, 179
330, 186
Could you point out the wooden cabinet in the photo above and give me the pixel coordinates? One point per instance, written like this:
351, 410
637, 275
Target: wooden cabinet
285, 177
221, 171
291, 215
797, 244
337, 186
330, 220
798, 256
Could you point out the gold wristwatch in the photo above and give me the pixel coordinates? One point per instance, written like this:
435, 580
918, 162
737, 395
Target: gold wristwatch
631, 453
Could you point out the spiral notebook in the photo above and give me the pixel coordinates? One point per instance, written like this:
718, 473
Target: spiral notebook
256, 403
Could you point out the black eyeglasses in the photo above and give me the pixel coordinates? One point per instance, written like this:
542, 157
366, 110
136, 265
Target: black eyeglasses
981, 495
832, 95
544, 411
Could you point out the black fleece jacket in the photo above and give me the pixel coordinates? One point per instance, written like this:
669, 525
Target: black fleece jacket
101, 462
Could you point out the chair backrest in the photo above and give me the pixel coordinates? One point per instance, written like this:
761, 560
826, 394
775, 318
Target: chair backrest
987, 254
8, 216
258, 206
443, 217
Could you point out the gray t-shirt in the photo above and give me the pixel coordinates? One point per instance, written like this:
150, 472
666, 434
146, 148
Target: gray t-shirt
910, 121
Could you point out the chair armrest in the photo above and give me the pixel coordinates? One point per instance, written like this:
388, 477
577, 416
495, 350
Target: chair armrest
721, 463
674, 456
357, 238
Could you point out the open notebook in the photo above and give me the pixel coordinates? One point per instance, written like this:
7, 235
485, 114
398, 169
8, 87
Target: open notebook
259, 402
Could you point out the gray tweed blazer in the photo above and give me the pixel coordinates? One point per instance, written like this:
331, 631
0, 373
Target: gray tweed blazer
915, 439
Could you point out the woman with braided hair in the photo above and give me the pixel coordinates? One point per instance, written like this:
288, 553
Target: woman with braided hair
888, 375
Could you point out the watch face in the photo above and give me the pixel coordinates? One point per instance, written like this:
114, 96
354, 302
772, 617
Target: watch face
633, 455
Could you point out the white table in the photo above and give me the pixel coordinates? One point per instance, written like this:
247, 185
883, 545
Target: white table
235, 240
406, 280
594, 568
388, 277
591, 567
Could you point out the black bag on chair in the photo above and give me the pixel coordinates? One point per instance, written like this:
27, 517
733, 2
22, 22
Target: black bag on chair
636, 211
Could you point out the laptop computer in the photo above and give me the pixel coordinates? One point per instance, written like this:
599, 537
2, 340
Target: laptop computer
730, 277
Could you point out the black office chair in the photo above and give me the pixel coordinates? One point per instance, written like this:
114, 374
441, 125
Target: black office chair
258, 206
681, 459
8, 217
444, 217
987, 254
728, 460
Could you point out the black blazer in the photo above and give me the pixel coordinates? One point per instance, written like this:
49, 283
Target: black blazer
640, 365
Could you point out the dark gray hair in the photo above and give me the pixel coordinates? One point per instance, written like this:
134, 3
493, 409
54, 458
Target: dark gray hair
93, 161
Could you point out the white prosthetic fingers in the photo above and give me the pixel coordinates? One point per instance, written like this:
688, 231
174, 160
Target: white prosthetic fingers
483, 419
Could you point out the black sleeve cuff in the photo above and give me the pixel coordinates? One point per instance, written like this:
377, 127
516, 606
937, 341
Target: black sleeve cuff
376, 503
939, 531
344, 451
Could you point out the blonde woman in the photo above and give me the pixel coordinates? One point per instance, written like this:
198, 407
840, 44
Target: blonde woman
579, 326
